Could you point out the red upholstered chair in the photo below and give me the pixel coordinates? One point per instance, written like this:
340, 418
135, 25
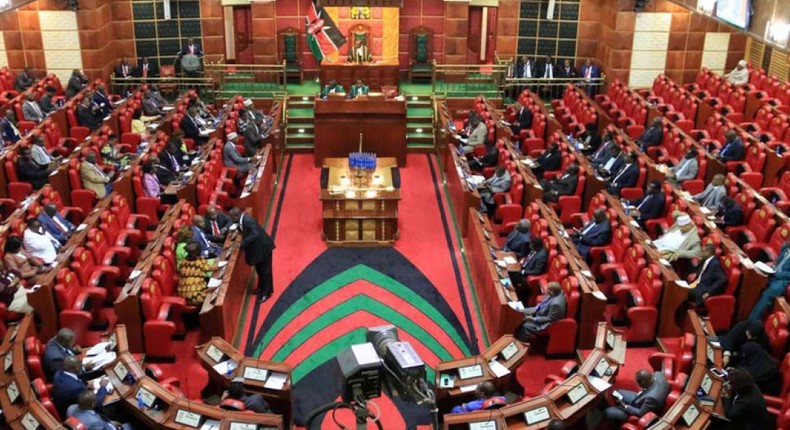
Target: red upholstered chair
232, 405
33, 352
636, 303
562, 333
641, 423
105, 253
79, 307
50, 407
162, 315
121, 209
722, 307
758, 229
778, 194
775, 403
558, 270
17, 190
80, 197
621, 241
118, 234
157, 374
768, 251
681, 350
625, 271
776, 328
580, 219
92, 275
79, 133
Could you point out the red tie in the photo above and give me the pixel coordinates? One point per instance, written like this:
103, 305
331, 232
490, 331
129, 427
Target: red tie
215, 228
145, 70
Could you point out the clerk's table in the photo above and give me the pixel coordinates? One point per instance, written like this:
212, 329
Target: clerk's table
340, 122
360, 209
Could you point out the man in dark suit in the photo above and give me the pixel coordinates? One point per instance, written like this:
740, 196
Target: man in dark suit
252, 402
564, 185
86, 116
651, 398
124, 70
549, 160
540, 317
45, 103
597, 232
525, 68
76, 83
489, 159
567, 70
190, 126
733, 149
8, 130
612, 163
730, 213
518, 239
28, 171
56, 224
589, 141
710, 279
67, 386
24, 80
147, 68
191, 47
216, 225
172, 158
588, 72
533, 264
744, 405
548, 70
601, 153
649, 206
523, 120
627, 177
258, 248
56, 350
251, 131
653, 135
207, 246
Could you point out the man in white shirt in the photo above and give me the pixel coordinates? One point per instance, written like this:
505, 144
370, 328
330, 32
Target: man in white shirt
739, 75
499, 182
39, 243
40, 154
681, 240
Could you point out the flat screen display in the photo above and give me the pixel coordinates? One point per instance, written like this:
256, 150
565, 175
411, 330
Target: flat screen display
735, 12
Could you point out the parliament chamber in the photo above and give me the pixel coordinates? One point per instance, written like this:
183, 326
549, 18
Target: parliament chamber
395, 214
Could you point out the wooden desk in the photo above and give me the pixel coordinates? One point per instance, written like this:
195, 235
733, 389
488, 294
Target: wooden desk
360, 214
463, 195
36, 416
674, 420
462, 389
571, 412
257, 192
374, 75
338, 124
516, 413
185, 187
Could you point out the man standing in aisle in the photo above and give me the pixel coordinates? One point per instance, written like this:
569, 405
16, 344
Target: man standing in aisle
258, 248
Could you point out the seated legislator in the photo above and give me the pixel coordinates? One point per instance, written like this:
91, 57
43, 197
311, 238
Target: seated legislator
710, 279
85, 412
111, 153
359, 89
217, 225
31, 172
612, 163
67, 386
680, 241
331, 88
518, 239
189, 124
247, 126
76, 83
651, 398
151, 104
102, 102
151, 185
15, 259
183, 238
45, 102
62, 345
588, 141
207, 247
763, 368
523, 120
40, 155
252, 402
686, 169
56, 224
744, 405
777, 283
499, 182
652, 136
489, 159
477, 136
626, 177
486, 399
24, 80
86, 116
729, 213
232, 158
739, 75
550, 159
39, 243
733, 149
360, 53
713, 194
740, 334
12, 293
597, 232
539, 318
533, 264
31, 110
8, 130
193, 275
650, 205
172, 158
563, 185
93, 177
601, 155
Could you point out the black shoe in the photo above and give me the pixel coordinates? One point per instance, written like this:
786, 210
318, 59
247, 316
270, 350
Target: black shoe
262, 299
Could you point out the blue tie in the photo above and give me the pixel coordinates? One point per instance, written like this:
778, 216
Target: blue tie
543, 305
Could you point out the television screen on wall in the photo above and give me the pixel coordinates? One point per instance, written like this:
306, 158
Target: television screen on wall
735, 12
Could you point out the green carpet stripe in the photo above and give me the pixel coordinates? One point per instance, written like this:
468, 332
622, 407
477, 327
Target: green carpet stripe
331, 350
360, 272
351, 306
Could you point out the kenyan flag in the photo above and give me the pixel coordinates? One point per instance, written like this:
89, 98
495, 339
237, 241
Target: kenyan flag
323, 37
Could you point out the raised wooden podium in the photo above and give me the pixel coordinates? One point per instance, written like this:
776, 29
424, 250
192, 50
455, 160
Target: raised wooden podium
360, 211
338, 124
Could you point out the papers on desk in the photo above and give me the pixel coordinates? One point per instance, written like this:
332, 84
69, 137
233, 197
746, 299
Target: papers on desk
500, 263
704, 210
244, 194
516, 305
587, 274
468, 388
599, 295
226, 367
207, 131
100, 360
664, 261
498, 369
167, 108
222, 264
211, 425
134, 274
510, 260
95, 384
598, 384
188, 174
529, 162
82, 227
276, 381
764, 268
214, 283
97, 349
635, 224
475, 179
681, 283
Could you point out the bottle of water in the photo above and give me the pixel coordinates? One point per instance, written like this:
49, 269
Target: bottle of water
140, 401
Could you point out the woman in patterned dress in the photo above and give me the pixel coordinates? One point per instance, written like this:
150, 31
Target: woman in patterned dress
193, 275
